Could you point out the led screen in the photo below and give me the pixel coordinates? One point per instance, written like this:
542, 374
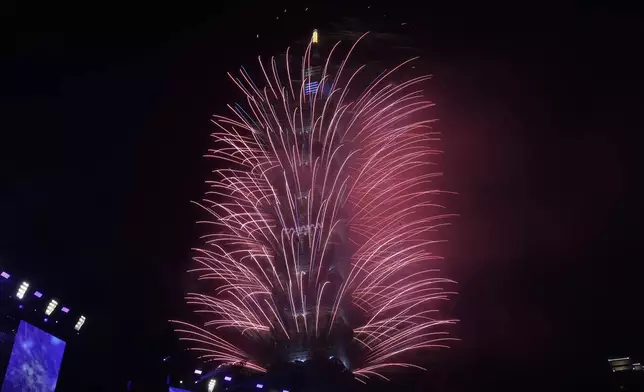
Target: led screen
173, 389
35, 361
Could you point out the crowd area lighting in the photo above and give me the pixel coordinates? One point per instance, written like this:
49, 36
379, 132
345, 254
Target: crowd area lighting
51, 307
79, 323
22, 290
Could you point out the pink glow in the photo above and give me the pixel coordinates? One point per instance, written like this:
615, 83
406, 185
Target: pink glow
276, 213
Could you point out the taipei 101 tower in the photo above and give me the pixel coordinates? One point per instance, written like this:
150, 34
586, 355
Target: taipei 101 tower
318, 268
333, 263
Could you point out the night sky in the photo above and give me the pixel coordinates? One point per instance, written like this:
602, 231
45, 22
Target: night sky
105, 118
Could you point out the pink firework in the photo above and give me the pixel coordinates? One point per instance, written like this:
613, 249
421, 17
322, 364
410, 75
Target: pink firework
322, 221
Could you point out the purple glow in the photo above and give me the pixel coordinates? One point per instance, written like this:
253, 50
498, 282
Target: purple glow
38, 294
21, 306
5, 275
259, 386
228, 378
311, 88
46, 319
64, 309
35, 361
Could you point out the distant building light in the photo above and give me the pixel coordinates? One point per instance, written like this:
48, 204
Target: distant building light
211, 384
198, 371
80, 322
64, 309
259, 386
621, 364
228, 378
38, 294
5, 275
50, 308
22, 290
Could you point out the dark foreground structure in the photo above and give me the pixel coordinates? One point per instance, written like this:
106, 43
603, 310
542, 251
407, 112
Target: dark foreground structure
317, 374
313, 375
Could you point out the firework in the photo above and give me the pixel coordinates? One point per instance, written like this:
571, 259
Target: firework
321, 221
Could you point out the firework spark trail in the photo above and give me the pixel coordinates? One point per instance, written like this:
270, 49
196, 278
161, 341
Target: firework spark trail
278, 196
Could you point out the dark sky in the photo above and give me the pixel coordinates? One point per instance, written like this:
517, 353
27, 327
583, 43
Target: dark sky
105, 117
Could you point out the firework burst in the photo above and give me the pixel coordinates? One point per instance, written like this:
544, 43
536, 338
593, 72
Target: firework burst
321, 221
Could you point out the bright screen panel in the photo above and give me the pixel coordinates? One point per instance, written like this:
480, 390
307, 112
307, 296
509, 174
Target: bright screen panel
35, 361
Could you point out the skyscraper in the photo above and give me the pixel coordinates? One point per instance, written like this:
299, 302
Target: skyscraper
319, 252
334, 261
